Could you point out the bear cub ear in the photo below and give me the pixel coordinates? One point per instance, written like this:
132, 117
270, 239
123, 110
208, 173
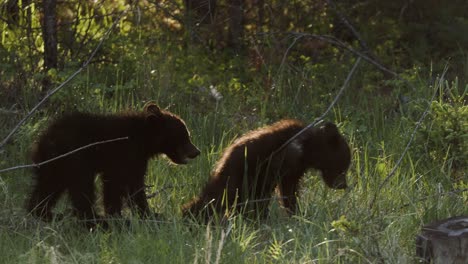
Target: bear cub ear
152, 109
330, 133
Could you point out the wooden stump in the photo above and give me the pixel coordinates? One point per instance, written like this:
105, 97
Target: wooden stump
445, 241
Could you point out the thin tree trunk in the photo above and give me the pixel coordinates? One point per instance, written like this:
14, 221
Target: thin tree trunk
28, 21
236, 23
49, 33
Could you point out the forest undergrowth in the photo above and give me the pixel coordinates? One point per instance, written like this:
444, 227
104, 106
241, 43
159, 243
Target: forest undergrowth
407, 133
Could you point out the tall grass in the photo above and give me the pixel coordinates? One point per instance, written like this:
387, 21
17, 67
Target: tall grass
331, 227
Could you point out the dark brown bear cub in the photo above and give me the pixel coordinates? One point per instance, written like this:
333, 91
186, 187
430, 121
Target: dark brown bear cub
121, 164
248, 172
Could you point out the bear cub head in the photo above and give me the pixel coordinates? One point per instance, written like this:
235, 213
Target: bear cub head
175, 143
326, 150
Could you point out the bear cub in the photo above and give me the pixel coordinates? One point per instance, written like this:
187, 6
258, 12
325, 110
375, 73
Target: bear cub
249, 170
121, 164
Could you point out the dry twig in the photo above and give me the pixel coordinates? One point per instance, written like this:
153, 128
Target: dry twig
356, 34
410, 141
35, 165
320, 118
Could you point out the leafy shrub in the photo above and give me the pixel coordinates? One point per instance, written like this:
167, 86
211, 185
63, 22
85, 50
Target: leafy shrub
445, 129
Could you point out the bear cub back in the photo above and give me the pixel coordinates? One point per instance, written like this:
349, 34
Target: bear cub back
249, 170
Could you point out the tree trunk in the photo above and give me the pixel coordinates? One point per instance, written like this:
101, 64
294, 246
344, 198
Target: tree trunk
236, 23
29, 30
49, 33
444, 241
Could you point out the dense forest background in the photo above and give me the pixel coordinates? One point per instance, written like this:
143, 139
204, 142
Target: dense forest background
228, 66
42, 41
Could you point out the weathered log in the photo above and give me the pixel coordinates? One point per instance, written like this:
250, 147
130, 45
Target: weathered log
444, 241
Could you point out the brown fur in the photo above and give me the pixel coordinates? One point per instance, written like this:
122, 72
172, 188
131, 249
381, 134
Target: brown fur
122, 164
247, 171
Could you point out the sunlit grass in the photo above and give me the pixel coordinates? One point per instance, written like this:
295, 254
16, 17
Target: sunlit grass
331, 227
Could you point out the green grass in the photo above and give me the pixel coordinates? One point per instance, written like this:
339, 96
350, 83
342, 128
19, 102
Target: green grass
331, 227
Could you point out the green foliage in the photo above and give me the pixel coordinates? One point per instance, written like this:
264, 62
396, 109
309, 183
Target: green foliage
331, 227
222, 93
444, 134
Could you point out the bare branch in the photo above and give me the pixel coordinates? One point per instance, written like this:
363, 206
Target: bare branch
435, 195
338, 43
287, 51
410, 141
36, 165
320, 118
167, 12
334, 41
9, 112
53, 91
356, 34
